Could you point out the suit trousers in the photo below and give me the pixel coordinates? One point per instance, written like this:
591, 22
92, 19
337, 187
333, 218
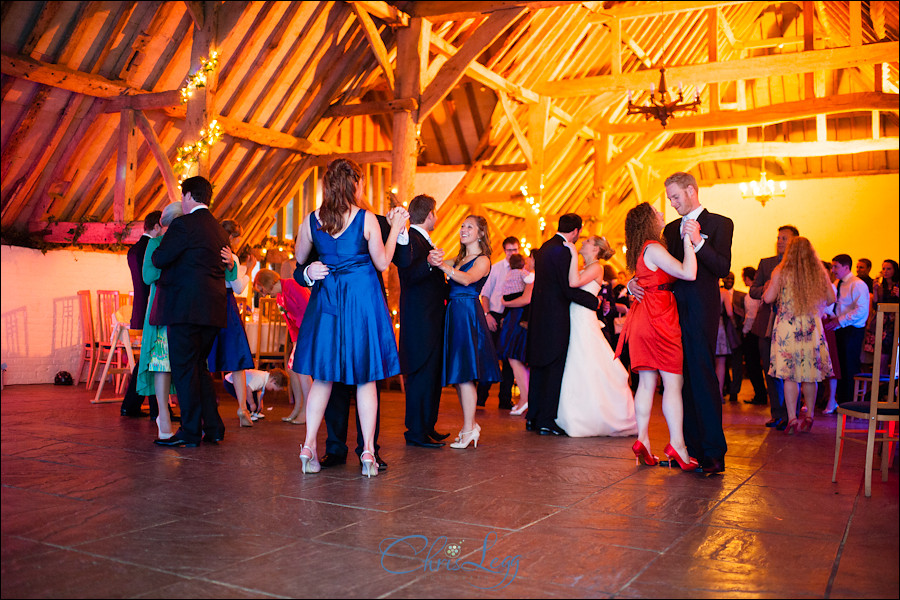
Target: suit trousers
506, 374
543, 392
337, 420
703, 433
774, 387
849, 343
423, 397
750, 346
189, 347
131, 403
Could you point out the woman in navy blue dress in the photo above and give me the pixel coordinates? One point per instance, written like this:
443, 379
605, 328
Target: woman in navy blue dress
346, 328
469, 353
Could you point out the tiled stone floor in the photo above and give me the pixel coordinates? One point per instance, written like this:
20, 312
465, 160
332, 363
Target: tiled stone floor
91, 508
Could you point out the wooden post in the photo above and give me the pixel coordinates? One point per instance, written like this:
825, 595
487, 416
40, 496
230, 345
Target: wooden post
712, 19
537, 126
597, 206
200, 107
809, 43
123, 195
412, 57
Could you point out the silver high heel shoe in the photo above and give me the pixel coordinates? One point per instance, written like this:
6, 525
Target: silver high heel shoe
369, 468
465, 437
309, 464
518, 411
160, 434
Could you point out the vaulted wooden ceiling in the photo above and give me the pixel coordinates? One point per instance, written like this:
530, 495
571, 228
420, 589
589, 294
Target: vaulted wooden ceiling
512, 93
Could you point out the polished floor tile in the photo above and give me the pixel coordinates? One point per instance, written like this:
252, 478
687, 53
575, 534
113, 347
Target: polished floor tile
91, 508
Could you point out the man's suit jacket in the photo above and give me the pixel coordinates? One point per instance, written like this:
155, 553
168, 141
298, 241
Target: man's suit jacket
698, 300
764, 315
423, 295
191, 288
141, 289
548, 326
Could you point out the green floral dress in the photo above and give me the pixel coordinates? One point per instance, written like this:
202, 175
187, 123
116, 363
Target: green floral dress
799, 350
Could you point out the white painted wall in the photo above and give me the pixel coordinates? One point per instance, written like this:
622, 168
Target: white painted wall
41, 321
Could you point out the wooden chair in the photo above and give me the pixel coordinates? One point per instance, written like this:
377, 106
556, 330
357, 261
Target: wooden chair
108, 304
123, 341
879, 408
89, 347
271, 335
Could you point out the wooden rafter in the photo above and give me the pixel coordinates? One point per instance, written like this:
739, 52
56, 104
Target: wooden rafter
732, 70
374, 37
692, 156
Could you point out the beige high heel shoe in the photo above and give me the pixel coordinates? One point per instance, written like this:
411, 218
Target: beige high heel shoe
369, 468
309, 464
160, 434
244, 417
465, 437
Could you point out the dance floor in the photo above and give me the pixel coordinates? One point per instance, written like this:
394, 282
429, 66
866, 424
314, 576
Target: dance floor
91, 508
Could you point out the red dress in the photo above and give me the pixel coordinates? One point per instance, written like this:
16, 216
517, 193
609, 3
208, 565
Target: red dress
651, 328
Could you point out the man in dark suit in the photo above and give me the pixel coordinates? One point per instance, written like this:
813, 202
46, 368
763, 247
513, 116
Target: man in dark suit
337, 412
423, 296
548, 325
698, 311
131, 403
762, 326
191, 302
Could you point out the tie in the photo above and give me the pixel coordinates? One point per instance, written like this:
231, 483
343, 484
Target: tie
838, 298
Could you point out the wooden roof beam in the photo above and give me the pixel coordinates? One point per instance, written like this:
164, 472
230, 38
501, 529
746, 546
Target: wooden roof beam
459, 10
654, 9
384, 11
371, 31
694, 156
455, 67
372, 108
725, 71
766, 115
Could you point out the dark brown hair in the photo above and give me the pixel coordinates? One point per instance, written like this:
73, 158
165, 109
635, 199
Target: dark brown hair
516, 261
419, 207
484, 239
641, 225
338, 193
279, 377
232, 228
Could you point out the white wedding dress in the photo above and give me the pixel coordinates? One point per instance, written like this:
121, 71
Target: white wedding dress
594, 398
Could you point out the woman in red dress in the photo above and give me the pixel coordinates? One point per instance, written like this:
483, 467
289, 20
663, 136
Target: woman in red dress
652, 330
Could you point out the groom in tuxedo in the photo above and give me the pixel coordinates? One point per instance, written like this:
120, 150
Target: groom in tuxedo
698, 311
548, 325
191, 302
423, 297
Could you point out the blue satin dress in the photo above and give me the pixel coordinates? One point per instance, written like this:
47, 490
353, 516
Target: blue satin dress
469, 352
346, 330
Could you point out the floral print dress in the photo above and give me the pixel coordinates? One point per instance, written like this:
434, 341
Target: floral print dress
799, 351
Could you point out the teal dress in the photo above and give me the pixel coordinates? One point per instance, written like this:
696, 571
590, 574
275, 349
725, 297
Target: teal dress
154, 343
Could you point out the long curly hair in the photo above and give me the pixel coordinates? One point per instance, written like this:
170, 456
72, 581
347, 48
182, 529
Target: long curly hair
803, 273
641, 225
484, 239
338, 193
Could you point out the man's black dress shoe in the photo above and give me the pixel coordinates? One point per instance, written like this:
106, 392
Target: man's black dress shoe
778, 424
505, 406
757, 401
552, 430
713, 465
529, 425
176, 441
382, 466
332, 460
438, 437
424, 444
136, 414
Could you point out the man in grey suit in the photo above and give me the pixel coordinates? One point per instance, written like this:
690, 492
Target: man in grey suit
762, 326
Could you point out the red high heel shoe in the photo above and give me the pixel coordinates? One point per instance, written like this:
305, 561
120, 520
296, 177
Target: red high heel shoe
792, 427
806, 425
690, 465
640, 452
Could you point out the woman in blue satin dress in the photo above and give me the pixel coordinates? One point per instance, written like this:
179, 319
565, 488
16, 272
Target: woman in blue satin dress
469, 353
348, 332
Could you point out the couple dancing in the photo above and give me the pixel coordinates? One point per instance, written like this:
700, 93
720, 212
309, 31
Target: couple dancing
577, 387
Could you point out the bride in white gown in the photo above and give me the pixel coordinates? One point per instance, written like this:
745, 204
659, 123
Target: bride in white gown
595, 398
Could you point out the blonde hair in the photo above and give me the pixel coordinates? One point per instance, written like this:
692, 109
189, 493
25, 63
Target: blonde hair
804, 274
604, 252
265, 280
170, 213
